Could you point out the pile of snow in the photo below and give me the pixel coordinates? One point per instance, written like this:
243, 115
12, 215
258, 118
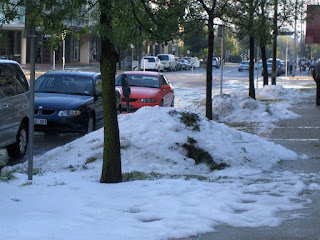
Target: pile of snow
271, 105
152, 140
66, 201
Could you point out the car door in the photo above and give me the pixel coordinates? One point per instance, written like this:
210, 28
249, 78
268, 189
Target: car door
98, 104
168, 94
10, 104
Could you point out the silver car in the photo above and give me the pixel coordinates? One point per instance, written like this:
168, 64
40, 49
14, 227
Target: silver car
244, 65
14, 109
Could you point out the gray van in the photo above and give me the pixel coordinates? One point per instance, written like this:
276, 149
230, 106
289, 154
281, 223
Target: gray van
14, 109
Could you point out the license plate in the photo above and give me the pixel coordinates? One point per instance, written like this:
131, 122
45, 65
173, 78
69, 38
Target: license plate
40, 121
124, 107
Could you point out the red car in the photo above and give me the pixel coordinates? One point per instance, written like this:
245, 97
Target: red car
147, 89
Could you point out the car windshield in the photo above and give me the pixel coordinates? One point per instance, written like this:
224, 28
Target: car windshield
245, 63
81, 85
139, 80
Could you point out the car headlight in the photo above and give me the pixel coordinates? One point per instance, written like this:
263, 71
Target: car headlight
148, 100
69, 113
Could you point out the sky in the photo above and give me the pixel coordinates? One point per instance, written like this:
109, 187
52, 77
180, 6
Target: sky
165, 194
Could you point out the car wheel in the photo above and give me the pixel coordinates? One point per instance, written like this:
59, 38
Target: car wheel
119, 110
18, 149
172, 103
90, 124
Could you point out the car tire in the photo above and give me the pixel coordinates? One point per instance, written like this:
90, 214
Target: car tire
19, 148
90, 124
119, 109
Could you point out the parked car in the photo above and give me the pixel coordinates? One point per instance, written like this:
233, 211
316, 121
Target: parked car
279, 69
215, 62
178, 64
168, 61
14, 109
184, 64
69, 102
244, 65
147, 89
151, 63
191, 60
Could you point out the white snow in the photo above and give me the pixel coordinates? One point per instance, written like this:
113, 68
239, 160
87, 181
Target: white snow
177, 198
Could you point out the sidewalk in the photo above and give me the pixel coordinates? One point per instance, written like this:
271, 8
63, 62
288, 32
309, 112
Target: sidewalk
301, 135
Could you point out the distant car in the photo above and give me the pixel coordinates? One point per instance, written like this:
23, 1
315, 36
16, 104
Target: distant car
215, 62
191, 60
168, 60
184, 64
69, 102
151, 63
279, 69
147, 89
244, 65
178, 64
14, 109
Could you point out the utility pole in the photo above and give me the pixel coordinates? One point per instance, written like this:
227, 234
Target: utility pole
295, 40
31, 34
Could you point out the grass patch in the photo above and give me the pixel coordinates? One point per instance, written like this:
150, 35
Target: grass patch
189, 119
91, 160
199, 155
26, 184
132, 176
271, 100
7, 176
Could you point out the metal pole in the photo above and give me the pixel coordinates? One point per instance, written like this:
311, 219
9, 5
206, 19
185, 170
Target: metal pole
221, 62
287, 57
257, 65
54, 60
32, 37
295, 40
63, 48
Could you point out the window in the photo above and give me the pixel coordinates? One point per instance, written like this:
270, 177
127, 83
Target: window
7, 83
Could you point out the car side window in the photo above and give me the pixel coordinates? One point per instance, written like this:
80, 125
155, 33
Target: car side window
7, 83
20, 79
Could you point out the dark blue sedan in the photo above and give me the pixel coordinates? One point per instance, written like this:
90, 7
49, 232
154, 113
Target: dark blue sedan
69, 102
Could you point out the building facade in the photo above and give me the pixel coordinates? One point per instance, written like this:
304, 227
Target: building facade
15, 45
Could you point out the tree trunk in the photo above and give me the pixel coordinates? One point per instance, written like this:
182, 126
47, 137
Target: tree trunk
275, 35
264, 63
111, 169
251, 69
209, 69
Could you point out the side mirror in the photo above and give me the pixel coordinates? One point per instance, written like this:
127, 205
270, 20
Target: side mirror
166, 87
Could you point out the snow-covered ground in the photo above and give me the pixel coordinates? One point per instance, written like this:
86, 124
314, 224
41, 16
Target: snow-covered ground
166, 194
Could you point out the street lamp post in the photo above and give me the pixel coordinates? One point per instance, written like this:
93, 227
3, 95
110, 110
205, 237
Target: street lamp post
63, 35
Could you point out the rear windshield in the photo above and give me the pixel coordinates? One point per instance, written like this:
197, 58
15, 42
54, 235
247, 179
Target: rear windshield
150, 59
139, 80
163, 57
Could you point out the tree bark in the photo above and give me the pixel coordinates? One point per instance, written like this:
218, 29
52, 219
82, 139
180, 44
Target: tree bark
209, 69
252, 92
275, 35
111, 169
264, 63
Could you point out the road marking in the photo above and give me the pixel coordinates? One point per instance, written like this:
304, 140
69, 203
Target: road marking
293, 139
